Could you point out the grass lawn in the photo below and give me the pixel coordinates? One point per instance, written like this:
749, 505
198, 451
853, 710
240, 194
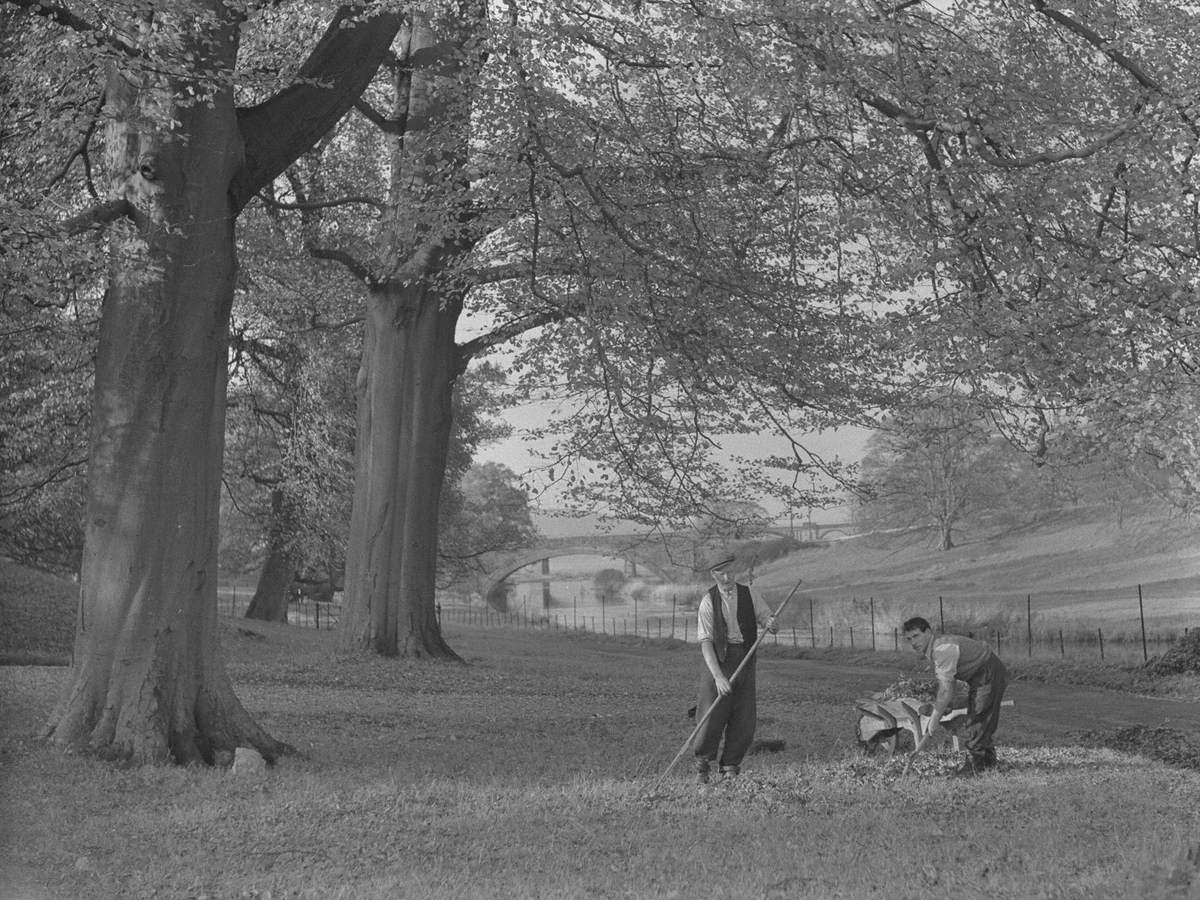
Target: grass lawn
534, 771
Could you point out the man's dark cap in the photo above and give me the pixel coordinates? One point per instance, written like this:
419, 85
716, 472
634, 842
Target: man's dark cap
720, 562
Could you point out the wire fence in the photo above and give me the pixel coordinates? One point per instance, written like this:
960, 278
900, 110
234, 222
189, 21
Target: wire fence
863, 624
306, 613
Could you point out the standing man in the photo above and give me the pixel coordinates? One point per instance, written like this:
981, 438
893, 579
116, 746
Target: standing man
729, 618
972, 661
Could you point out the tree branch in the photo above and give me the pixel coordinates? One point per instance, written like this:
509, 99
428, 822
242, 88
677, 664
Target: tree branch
333, 77
322, 204
98, 215
1100, 44
65, 17
1050, 156
357, 267
379, 120
508, 331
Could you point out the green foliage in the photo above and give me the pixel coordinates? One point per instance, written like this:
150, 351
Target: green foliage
489, 511
45, 392
290, 419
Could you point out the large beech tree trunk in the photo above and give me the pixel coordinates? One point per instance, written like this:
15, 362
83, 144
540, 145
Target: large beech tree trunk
410, 359
148, 682
410, 363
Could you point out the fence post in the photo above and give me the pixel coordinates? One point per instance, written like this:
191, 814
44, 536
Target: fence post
941, 615
851, 637
872, 623
830, 635
1029, 622
795, 643
673, 617
1142, 616
1062, 649
1100, 634
895, 638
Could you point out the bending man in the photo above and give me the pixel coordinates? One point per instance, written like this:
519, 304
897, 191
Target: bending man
954, 656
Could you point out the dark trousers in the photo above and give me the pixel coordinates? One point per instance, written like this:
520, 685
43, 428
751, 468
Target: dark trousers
983, 708
734, 716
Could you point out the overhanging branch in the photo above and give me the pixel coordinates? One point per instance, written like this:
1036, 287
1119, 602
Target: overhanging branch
98, 215
508, 331
68, 19
356, 266
333, 77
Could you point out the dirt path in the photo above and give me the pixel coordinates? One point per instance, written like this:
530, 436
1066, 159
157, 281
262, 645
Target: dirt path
1051, 708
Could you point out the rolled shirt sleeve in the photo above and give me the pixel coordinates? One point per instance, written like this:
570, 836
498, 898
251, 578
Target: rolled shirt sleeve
704, 619
945, 660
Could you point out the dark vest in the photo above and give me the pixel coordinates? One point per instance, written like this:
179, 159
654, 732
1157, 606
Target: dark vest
747, 621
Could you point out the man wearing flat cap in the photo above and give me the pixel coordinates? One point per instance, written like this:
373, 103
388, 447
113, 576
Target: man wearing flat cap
729, 619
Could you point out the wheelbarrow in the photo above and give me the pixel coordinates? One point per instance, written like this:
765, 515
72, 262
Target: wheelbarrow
882, 724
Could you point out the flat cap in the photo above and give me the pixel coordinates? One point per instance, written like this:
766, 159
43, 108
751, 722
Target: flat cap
720, 562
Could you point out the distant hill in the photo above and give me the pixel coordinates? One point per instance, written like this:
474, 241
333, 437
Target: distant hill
1082, 569
1079, 567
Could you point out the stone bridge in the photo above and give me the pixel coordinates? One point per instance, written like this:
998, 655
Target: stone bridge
670, 556
666, 557
816, 531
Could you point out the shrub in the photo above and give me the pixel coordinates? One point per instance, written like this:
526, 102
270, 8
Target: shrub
1183, 658
609, 582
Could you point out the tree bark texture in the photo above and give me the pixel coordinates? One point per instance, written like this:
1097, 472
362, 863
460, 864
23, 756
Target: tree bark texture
148, 681
406, 381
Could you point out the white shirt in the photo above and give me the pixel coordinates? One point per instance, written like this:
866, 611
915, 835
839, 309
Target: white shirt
704, 615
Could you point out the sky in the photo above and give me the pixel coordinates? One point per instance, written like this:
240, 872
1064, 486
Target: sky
518, 453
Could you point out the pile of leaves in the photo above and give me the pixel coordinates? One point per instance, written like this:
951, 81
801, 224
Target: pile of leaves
923, 689
1159, 742
1182, 658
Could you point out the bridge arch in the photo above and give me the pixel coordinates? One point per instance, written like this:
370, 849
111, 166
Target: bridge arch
500, 569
